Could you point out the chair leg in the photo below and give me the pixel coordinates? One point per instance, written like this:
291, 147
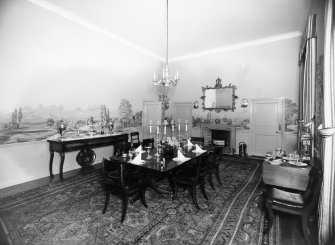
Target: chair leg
217, 174
270, 216
193, 191
210, 179
106, 201
305, 229
143, 189
171, 183
174, 189
124, 206
202, 187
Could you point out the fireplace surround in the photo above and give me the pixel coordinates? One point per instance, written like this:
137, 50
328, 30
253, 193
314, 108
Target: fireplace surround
219, 132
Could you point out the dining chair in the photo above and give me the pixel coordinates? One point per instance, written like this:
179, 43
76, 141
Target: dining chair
198, 140
296, 203
148, 142
214, 162
121, 148
193, 176
119, 179
135, 139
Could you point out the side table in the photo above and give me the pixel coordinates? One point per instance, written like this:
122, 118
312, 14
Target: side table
286, 175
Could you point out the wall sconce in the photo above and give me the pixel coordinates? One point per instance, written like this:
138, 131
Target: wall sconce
195, 105
244, 103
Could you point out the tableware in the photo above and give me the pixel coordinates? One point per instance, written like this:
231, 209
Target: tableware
298, 164
276, 162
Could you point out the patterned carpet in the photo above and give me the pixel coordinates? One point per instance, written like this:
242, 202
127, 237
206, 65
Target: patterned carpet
71, 213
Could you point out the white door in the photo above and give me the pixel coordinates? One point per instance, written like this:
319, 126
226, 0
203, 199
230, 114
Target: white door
182, 111
266, 129
152, 111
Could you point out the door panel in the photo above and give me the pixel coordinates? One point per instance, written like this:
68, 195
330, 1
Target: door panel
183, 111
266, 134
152, 111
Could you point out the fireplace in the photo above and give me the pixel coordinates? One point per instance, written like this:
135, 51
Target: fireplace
219, 136
219, 132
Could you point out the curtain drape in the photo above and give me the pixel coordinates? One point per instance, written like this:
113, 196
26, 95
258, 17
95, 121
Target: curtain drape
307, 63
327, 131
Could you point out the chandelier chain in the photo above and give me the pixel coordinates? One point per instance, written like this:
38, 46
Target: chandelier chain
167, 32
166, 80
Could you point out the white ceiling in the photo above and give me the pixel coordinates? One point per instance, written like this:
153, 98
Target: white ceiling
194, 25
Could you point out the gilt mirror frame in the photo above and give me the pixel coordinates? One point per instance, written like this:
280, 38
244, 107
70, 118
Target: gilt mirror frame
217, 86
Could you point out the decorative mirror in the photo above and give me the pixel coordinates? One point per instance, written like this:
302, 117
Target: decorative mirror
219, 98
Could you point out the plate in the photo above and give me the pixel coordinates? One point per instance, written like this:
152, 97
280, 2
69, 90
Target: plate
290, 158
276, 162
298, 164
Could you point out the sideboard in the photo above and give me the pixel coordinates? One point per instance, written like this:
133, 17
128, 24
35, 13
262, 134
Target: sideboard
64, 145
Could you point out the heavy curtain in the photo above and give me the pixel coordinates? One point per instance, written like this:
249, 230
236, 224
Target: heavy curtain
327, 131
307, 63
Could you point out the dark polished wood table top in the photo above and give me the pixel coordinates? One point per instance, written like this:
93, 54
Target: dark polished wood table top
151, 161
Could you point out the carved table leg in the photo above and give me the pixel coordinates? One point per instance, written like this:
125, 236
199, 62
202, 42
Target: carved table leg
62, 157
50, 163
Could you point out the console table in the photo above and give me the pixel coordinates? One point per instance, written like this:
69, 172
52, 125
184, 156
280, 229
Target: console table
72, 144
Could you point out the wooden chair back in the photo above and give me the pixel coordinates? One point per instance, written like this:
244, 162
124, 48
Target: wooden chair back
197, 140
135, 139
148, 142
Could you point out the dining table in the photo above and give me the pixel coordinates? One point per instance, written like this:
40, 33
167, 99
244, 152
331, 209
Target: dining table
155, 165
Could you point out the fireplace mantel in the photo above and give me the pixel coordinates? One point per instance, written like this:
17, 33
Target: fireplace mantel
219, 127
207, 130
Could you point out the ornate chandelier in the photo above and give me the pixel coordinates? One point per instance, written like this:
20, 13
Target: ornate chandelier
166, 80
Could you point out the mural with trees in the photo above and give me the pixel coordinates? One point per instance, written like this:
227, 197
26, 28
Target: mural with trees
27, 124
291, 116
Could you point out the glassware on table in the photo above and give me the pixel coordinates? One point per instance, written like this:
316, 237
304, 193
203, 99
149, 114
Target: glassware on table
148, 152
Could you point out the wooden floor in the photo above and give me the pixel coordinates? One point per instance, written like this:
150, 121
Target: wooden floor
290, 230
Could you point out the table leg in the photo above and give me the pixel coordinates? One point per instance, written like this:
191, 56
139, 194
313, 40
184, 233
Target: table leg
62, 157
50, 163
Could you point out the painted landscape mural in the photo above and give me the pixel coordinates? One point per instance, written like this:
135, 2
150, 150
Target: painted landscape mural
26, 124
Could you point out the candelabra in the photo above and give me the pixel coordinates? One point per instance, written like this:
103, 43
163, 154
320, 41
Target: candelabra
150, 129
186, 132
172, 128
158, 133
179, 132
165, 123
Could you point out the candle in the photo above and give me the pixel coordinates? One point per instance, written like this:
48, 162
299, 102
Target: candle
186, 127
179, 126
172, 127
164, 129
154, 76
150, 128
157, 129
